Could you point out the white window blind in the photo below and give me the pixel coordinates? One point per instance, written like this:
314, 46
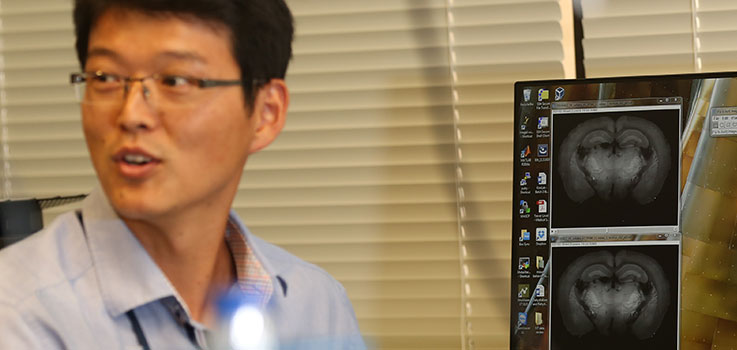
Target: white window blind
715, 31
632, 37
401, 120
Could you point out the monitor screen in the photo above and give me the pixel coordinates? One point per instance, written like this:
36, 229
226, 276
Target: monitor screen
596, 241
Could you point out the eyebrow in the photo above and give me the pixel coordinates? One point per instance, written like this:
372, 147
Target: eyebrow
177, 55
101, 51
184, 55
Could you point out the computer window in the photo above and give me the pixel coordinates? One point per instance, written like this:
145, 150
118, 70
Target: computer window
596, 240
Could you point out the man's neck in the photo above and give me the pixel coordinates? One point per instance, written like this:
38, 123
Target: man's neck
194, 256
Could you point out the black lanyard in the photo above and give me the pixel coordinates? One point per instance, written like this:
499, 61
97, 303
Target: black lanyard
142, 337
138, 330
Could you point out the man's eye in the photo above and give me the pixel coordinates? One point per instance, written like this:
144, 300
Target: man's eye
105, 78
175, 81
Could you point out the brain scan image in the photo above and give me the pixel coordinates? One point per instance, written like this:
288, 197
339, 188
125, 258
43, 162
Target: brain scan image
619, 169
615, 296
614, 159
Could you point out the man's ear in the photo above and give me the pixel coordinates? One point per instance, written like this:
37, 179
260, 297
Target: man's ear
269, 113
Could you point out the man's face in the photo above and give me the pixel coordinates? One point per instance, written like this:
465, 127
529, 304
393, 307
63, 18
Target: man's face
197, 152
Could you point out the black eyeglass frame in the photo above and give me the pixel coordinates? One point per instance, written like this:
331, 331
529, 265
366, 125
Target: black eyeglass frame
78, 78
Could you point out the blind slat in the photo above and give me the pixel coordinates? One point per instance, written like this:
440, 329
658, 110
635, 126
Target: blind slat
721, 20
620, 8
637, 25
650, 45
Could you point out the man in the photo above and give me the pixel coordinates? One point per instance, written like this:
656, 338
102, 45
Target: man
175, 95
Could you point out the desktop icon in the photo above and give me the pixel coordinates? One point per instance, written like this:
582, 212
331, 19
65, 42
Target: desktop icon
524, 263
525, 177
541, 234
524, 208
540, 262
527, 93
543, 94
538, 318
522, 318
540, 291
542, 178
559, 93
525, 152
543, 122
523, 291
524, 235
525, 121
542, 206
542, 150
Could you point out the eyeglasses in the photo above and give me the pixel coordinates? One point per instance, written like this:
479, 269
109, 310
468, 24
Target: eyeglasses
105, 90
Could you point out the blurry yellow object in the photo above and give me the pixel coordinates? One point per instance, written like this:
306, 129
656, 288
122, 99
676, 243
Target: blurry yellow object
709, 220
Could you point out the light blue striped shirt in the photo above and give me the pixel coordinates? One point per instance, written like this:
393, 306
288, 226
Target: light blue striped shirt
69, 288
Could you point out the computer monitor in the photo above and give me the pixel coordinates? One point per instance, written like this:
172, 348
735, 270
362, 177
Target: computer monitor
596, 241
18, 219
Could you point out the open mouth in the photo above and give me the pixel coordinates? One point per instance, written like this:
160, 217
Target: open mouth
136, 159
135, 163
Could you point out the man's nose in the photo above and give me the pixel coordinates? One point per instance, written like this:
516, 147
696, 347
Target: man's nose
138, 111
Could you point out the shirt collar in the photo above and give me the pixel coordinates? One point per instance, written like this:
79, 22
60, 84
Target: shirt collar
129, 277
251, 277
256, 248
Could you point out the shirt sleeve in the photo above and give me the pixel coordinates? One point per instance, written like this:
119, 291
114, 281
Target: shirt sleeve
349, 334
315, 315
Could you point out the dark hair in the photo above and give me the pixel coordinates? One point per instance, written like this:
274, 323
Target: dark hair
261, 30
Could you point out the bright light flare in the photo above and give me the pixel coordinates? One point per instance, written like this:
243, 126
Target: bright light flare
247, 329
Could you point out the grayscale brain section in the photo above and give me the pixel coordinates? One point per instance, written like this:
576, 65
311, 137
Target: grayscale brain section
622, 293
614, 158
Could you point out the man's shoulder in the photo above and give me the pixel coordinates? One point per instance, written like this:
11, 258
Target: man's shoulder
314, 311
49, 257
300, 276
